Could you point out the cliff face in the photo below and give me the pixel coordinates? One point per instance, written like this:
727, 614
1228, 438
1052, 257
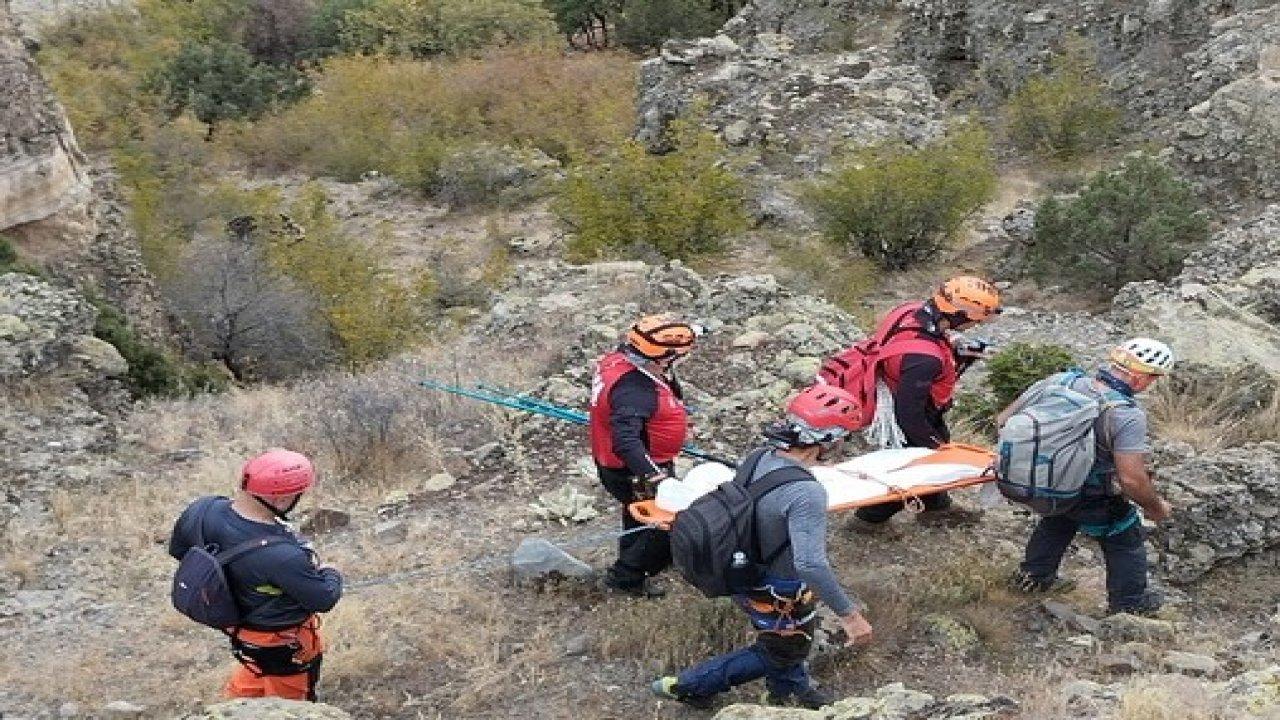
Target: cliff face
42, 170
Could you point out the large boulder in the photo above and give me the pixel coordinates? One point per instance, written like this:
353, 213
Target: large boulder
1228, 505
42, 171
814, 25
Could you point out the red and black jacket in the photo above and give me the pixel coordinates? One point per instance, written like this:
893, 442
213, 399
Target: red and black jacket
921, 371
638, 419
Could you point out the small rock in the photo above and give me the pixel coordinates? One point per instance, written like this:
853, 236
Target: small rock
539, 558
183, 455
123, 709
323, 520
751, 339
391, 531
737, 133
1118, 663
1078, 691
485, 453
897, 702
1070, 616
68, 710
755, 712
802, 371
577, 646
1123, 626
438, 482
1088, 642
1190, 663
272, 709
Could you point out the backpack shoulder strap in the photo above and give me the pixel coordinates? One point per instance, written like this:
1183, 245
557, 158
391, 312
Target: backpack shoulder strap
763, 486
248, 546
206, 505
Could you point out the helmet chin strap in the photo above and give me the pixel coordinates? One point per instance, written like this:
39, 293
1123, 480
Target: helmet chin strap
281, 514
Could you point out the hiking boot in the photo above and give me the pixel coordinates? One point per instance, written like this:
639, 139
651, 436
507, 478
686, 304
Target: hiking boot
950, 516
1149, 607
647, 588
1024, 582
668, 688
859, 526
810, 698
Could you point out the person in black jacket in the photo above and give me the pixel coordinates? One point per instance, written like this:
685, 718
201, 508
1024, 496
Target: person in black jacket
279, 587
638, 424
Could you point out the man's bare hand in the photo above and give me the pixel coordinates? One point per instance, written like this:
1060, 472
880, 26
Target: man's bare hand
856, 629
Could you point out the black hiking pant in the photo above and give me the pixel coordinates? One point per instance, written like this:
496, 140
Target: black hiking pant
640, 554
1123, 551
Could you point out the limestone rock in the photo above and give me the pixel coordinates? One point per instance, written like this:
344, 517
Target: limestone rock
1227, 499
565, 505
271, 709
539, 558
438, 482
1123, 626
42, 171
1191, 663
757, 712
123, 709
391, 531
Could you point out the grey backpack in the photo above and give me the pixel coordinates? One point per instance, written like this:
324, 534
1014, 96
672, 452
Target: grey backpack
1047, 447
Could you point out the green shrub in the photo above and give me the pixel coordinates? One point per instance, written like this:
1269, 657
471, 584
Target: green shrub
422, 28
681, 204
1064, 113
153, 371
899, 205
1019, 365
1136, 222
220, 81
402, 117
644, 24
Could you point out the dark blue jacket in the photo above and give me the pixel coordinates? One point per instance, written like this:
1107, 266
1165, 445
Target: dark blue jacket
277, 586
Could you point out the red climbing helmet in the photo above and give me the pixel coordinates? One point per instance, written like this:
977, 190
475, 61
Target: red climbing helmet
278, 472
824, 412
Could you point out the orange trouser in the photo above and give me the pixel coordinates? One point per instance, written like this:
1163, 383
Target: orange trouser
248, 681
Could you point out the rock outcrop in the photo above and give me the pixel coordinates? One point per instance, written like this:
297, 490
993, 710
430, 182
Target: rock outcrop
891, 702
1228, 506
1227, 291
1232, 136
796, 109
42, 171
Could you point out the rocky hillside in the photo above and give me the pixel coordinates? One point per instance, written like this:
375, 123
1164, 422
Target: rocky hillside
425, 495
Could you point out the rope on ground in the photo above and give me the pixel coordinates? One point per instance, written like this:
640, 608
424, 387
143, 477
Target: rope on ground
489, 562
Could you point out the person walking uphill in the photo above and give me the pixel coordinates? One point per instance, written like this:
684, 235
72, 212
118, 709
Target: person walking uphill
638, 423
1118, 476
277, 584
917, 362
790, 523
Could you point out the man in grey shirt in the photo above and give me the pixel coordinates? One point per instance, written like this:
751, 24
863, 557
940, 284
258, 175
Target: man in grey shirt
1118, 479
791, 529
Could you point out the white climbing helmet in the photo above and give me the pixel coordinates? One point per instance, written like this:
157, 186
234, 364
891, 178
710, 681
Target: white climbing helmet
1143, 355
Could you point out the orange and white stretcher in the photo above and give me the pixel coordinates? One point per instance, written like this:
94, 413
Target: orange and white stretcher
877, 477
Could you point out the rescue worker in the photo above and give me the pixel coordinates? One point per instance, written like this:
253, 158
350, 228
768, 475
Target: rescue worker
1118, 479
921, 378
279, 587
791, 525
638, 424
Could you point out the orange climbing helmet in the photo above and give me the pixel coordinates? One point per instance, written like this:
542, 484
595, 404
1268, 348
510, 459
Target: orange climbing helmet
659, 337
971, 297
278, 472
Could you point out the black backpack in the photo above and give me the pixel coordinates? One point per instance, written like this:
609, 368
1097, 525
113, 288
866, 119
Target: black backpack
200, 588
706, 535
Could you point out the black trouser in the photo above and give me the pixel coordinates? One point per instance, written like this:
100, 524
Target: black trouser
882, 512
640, 554
1124, 552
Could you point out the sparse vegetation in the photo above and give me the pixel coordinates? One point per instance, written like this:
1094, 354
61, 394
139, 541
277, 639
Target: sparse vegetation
898, 205
681, 204
423, 28
1065, 113
1211, 412
153, 370
1135, 222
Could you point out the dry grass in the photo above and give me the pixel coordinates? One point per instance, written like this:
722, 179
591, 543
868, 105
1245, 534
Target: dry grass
1208, 417
1166, 698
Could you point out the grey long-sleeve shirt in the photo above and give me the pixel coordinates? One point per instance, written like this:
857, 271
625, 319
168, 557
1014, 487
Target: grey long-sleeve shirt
798, 511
